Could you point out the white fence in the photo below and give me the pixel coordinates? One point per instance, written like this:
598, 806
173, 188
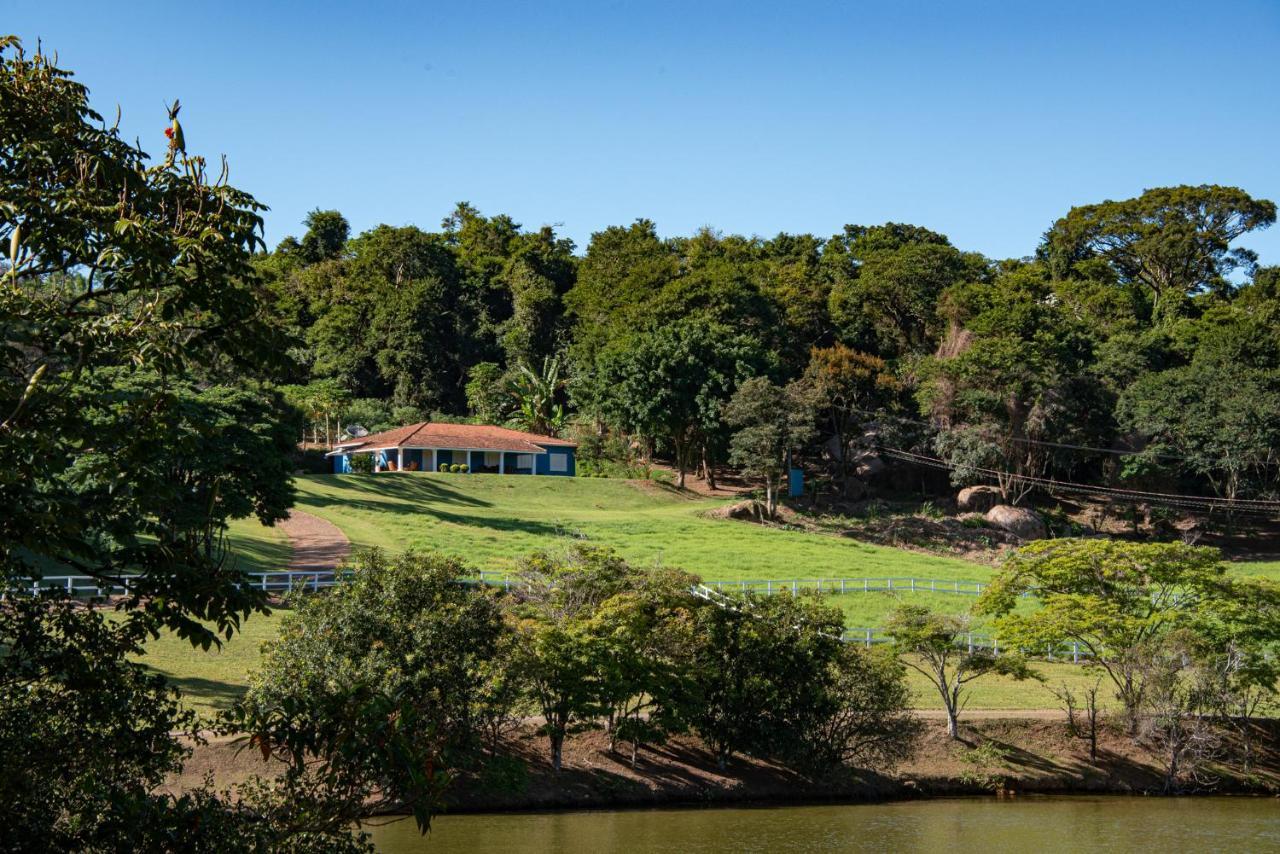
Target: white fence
285, 580
712, 591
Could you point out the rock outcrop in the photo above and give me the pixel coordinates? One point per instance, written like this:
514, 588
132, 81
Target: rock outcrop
1019, 521
978, 499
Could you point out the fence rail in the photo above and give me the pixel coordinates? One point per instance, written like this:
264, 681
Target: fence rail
285, 580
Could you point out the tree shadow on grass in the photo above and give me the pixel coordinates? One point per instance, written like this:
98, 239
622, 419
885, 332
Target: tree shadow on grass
404, 486
212, 692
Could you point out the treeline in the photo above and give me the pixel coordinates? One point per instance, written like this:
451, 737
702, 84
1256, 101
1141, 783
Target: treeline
1137, 345
582, 640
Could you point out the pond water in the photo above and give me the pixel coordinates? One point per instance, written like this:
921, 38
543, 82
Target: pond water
1039, 824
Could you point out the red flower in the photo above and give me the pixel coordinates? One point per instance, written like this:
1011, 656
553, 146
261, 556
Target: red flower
168, 132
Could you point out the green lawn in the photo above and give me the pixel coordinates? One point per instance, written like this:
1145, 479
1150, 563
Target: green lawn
258, 548
489, 520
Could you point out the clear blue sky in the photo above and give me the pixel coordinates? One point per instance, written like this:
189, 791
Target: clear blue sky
985, 121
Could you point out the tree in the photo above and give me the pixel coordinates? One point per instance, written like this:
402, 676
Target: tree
535, 397
936, 646
132, 425
1217, 420
1012, 384
864, 718
327, 233
758, 670
381, 680
670, 382
487, 398
848, 389
886, 303
644, 635
1115, 599
770, 422
1172, 241
558, 648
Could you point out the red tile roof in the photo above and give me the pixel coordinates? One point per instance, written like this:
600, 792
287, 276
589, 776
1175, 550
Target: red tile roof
479, 437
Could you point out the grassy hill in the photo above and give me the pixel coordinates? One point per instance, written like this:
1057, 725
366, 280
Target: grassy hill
490, 520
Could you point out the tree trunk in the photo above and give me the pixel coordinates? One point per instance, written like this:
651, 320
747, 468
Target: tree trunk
557, 749
708, 473
770, 499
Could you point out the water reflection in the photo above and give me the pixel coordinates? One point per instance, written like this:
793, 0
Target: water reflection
1084, 824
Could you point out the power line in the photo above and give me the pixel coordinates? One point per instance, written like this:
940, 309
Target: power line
1268, 461
1195, 502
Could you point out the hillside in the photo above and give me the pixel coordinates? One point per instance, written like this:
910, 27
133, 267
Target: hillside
491, 520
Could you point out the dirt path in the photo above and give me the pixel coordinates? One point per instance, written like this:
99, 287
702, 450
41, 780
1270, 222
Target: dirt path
994, 714
316, 543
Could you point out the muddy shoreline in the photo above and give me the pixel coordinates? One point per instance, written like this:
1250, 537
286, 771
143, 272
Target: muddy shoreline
1037, 756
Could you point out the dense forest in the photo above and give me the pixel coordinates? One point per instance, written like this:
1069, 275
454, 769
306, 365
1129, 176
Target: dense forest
1137, 346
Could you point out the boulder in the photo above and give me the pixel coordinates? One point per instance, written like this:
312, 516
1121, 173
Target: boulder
1019, 521
978, 499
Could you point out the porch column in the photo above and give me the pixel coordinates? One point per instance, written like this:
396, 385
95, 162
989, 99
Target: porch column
399, 459
434, 465
502, 462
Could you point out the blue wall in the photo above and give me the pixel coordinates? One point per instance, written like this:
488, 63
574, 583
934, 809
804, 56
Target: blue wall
543, 462
342, 464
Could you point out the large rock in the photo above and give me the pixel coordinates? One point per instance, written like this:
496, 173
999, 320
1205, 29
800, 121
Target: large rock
978, 499
1019, 521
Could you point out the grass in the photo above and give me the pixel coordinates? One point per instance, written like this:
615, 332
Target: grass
258, 548
490, 520
211, 681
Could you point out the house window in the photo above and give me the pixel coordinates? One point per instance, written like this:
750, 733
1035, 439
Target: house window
492, 458
524, 461
559, 462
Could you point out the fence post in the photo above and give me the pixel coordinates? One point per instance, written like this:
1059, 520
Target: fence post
971, 642
913, 585
868, 638
768, 586
933, 585
795, 587
1075, 652
864, 585
70, 586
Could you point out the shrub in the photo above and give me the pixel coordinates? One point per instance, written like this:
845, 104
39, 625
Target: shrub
400, 641
362, 463
444, 467
312, 461
464, 468
455, 468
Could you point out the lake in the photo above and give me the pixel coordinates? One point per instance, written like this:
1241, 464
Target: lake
1029, 823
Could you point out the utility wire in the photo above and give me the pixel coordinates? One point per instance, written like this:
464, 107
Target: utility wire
1194, 502
1268, 461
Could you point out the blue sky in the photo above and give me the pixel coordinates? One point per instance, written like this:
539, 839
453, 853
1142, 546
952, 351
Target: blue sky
985, 121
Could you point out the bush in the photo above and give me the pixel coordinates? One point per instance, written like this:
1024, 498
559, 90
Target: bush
455, 468
362, 463
464, 468
313, 461
400, 641
444, 467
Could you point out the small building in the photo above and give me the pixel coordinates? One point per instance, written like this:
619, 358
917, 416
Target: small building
427, 446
